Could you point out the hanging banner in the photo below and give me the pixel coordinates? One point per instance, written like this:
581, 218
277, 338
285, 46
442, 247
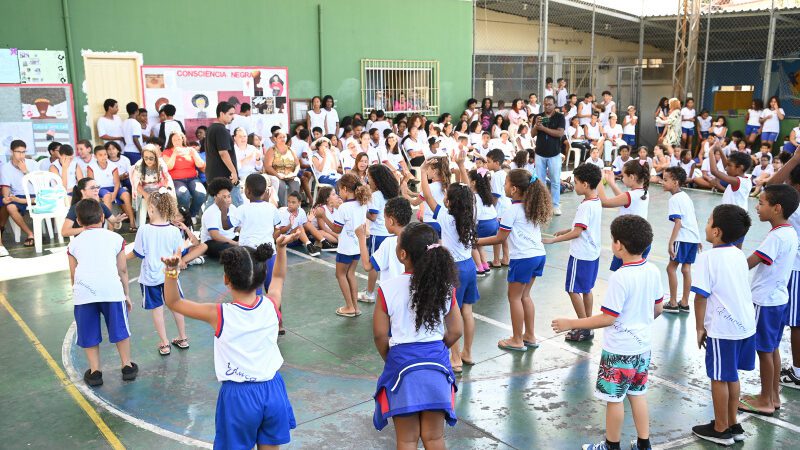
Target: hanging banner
42, 66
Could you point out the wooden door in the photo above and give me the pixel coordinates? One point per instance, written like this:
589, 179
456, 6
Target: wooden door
111, 75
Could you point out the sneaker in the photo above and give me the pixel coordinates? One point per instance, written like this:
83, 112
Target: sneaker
599, 446
556, 211
635, 445
684, 309
312, 249
672, 309
93, 378
326, 246
481, 273
789, 379
197, 261
365, 297
3, 251
129, 372
737, 432
708, 433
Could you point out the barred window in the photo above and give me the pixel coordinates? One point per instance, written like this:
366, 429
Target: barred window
398, 86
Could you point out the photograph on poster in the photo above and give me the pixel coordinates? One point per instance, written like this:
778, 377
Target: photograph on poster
10, 131
43, 103
46, 132
280, 104
154, 81
264, 105
42, 66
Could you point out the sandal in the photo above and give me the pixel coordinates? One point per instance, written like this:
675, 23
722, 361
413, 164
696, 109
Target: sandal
344, 314
29, 242
132, 230
182, 344
504, 344
746, 407
163, 349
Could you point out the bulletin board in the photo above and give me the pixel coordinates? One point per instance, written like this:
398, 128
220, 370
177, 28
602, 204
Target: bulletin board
195, 92
38, 114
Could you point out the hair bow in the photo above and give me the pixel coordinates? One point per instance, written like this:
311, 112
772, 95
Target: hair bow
433, 246
482, 171
534, 177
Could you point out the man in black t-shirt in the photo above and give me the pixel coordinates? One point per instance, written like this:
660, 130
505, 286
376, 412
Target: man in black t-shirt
549, 128
220, 155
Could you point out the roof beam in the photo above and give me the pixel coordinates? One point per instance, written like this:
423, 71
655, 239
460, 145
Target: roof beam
600, 10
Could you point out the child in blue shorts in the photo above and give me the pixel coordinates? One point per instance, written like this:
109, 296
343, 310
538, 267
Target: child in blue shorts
632, 303
725, 319
99, 273
584, 246
684, 240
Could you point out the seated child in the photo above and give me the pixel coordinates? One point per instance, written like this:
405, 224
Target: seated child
293, 217
329, 201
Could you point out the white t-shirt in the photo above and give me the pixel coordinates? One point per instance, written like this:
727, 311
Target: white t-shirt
753, 116
633, 291
317, 119
484, 212
592, 132
689, 114
44, 164
508, 147
438, 195
533, 109
794, 220
103, 177
296, 220
350, 215
239, 121
123, 165
96, 276
212, 220
778, 253
110, 127
738, 195
613, 133
253, 165
72, 172
376, 205
588, 216
706, 166
384, 260
618, 163
772, 124
246, 341
450, 240
721, 275
549, 92
331, 119
131, 131
394, 296
636, 205
630, 126
681, 207
759, 170
256, 221
525, 239
705, 124
688, 168
153, 242
607, 112
597, 162
561, 97
573, 111
585, 108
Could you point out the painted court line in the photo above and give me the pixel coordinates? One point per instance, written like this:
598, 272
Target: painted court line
68, 385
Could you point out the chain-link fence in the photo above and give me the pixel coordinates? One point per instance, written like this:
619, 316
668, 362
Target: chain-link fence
743, 50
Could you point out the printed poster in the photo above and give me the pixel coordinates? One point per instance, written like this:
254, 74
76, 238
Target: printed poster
42, 66
9, 66
44, 103
10, 131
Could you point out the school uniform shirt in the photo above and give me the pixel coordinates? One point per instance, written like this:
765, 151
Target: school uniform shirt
633, 291
688, 168
721, 275
123, 165
331, 119
376, 205
636, 205
561, 98
393, 159
690, 114
588, 216
794, 220
246, 344
394, 296
772, 124
629, 128
606, 112
11, 177
585, 109
212, 220
508, 147
525, 238
705, 124
706, 166
753, 116
296, 219
549, 92
110, 127
152, 242
618, 163
72, 172
680, 206
592, 132
759, 170
450, 240
438, 195
484, 212
350, 215
96, 276
573, 111
614, 133
317, 120
132, 132
597, 162
738, 193
384, 260
45, 164
328, 213
778, 252
84, 164
256, 221
103, 177
533, 109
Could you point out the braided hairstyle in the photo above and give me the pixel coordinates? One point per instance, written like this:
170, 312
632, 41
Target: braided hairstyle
461, 205
483, 186
246, 267
641, 171
435, 275
535, 196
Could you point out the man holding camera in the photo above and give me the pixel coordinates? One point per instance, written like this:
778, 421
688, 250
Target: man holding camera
549, 128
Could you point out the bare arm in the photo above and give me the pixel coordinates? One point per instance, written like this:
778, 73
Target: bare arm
782, 174
207, 312
217, 236
499, 238
700, 304
673, 237
454, 326
564, 235
380, 328
601, 320
68, 231
73, 263
754, 260
122, 271
361, 233
225, 156
279, 271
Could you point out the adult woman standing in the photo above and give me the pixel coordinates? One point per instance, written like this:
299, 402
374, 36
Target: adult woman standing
770, 120
487, 113
753, 120
281, 162
183, 164
672, 124
660, 116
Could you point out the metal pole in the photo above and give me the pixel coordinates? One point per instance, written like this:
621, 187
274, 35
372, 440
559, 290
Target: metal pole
320, 40
705, 58
770, 48
637, 74
591, 49
544, 41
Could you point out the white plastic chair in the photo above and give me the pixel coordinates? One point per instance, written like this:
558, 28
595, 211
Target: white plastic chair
40, 180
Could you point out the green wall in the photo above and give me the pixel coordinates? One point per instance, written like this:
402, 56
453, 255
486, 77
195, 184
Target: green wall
260, 32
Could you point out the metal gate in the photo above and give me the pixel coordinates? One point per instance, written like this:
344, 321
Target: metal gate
629, 90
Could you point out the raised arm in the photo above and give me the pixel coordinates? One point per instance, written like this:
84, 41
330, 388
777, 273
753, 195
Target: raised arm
782, 174
207, 312
279, 271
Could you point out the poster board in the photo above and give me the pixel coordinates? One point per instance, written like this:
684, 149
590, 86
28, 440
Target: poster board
42, 66
195, 92
38, 114
9, 65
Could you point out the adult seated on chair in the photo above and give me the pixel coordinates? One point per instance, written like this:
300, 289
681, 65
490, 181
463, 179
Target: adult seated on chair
184, 164
282, 162
106, 174
212, 233
148, 175
14, 203
66, 158
87, 188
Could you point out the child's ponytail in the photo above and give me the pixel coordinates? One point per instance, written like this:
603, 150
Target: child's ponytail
641, 171
483, 187
361, 191
536, 197
441, 164
435, 276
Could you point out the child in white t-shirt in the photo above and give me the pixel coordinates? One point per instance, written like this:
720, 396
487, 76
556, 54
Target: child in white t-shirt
636, 177
293, 220
594, 159
738, 185
684, 241
494, 162
632, 302
397, 214
688, 116
99, 273
327, 201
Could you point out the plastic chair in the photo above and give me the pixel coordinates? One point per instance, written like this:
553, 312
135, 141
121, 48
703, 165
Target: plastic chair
40, 180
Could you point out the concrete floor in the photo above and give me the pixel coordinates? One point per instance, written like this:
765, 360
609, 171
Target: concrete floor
539, 399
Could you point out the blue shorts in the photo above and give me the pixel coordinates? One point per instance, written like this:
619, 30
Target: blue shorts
330, 180
437, 227
771, 137
581, 275
685, 252
792, 312
253, 413
22, 207
769, 327
374, 243
467, 290
525, 269
704, 134
488, 227
87, 319
751, 129
789, 148
616, 263
629, 139
153, 296
688, 131
725, 357
110, 190
346, 259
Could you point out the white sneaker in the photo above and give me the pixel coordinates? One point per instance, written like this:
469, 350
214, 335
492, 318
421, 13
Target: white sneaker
365, 297
556, 211
3, 251
197, 261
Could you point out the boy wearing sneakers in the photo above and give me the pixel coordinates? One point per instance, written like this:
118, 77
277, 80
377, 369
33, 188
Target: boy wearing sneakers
99, 271
725, 319
773, 261
632, 303
584, 246
397, 213
684, 240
